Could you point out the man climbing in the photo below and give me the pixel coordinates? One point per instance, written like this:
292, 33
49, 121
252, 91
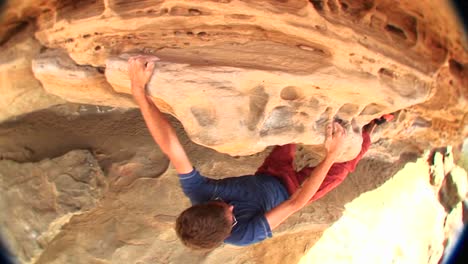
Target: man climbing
241, 210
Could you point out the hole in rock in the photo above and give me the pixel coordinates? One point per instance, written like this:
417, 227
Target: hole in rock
258, 100
316, 50
321, 28
421, 122
344, 6
97, 48
372, 109
290, 93
459, 71
455, 66
357, 9
324, 118
347, 111
280, 120
318, 4
194, 12
332, 5
387, 73
396, 31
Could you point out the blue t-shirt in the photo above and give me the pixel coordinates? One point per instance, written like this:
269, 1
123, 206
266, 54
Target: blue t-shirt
251, 196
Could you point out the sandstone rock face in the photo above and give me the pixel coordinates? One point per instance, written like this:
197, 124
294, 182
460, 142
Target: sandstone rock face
240, 82
37, 199
17, 13
59, 75
20, 92
262, 110
240, 76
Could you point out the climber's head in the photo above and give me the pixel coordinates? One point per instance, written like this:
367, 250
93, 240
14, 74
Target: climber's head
205, 226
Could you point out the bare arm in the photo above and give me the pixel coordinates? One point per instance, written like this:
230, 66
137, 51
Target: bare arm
301, 197
140, 70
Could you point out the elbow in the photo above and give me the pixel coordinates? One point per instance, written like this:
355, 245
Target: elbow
297, 204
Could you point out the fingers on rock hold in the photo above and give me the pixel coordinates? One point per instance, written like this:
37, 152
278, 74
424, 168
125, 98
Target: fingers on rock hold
329, 130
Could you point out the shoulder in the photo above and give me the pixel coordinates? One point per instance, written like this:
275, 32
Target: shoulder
193, 177
197, 187
249, 232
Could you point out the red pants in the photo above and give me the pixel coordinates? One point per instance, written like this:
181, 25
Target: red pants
280, 165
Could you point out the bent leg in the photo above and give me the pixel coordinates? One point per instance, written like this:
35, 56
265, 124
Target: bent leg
280, 165
338, 172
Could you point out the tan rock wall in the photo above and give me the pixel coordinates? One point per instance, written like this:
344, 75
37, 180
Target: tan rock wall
20, 92
79, 84
249, 80
240, 74
17, 14
37, 199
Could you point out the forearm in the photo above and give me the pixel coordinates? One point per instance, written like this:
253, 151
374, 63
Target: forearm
159, 127
310, 186
164, 135
333, 143
302, 196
